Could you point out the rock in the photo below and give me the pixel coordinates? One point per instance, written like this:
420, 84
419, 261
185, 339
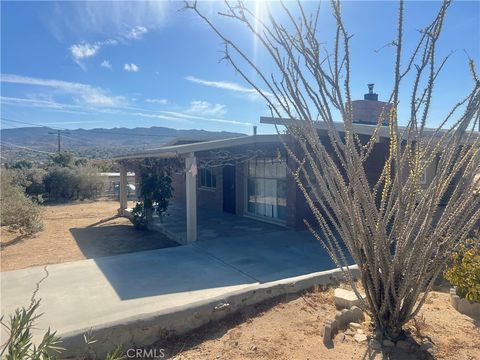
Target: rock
346, 317
254, 348
355, 325
426, 346
360, 337
360, 331
388, 343
357, 314
350, 332
404, 345
377, 334
345, 299
334, 325
375, 345
327, 334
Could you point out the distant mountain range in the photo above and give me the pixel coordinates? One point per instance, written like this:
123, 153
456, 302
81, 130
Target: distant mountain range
37, 142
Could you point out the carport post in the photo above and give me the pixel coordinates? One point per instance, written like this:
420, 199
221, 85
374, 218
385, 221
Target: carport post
123, 190
191, 195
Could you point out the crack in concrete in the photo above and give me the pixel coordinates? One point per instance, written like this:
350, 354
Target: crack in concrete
37, 286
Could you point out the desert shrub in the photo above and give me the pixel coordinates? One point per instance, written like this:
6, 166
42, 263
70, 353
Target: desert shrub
62, 183
464, 270
18, 211
63, 159
31, 179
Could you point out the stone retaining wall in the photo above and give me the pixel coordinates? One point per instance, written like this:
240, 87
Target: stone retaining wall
146, 329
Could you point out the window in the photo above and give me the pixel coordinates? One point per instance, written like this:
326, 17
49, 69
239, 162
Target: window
267, 188
207, 179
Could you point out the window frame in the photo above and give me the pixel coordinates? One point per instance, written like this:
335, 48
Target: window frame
203, 175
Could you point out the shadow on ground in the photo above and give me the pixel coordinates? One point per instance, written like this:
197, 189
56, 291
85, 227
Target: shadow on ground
108, 237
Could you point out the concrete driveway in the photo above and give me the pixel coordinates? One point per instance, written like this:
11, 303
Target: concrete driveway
84, 294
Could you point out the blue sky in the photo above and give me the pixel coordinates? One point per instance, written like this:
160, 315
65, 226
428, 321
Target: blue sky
124, 64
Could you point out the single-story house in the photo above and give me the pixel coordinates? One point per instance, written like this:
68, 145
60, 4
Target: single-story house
247, 176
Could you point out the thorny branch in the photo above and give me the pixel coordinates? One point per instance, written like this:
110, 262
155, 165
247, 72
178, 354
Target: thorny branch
393, 228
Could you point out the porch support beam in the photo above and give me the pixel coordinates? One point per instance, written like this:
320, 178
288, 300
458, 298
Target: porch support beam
191, 197
123, 189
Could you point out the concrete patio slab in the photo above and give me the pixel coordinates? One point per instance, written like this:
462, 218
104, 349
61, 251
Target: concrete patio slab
87, 293
134, 298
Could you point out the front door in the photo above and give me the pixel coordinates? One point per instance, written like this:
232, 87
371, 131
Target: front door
229, 189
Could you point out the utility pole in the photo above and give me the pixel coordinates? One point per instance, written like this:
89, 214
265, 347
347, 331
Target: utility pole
58, 132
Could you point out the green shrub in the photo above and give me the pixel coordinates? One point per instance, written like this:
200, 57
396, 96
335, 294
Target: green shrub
63, 183
19, 345
18, 211
156, 191
63, 159
464, 271
31, 179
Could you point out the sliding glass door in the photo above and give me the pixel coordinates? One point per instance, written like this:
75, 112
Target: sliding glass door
267, 189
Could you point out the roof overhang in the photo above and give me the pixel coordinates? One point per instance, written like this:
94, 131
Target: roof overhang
361, 129
187, 149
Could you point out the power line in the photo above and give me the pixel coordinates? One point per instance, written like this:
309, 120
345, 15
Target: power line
4, 143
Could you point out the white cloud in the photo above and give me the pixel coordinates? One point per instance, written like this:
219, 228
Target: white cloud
86, 50
251, 93
83, 50
136, 32
226, 85
175, 116
82, 93
106, 64
131, 67
157, 101
204, 108
204, 118
109, 18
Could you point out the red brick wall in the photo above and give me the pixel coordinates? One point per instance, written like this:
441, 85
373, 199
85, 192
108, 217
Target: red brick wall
297, 207
368, 111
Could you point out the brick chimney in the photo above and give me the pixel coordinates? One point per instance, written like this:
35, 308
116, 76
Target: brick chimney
368, 110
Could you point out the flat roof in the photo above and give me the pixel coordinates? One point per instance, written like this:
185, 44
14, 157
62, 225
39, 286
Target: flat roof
171, 151
178, 150
362, 129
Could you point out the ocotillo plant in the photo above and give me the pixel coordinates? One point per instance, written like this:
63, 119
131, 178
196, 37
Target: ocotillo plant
394, 228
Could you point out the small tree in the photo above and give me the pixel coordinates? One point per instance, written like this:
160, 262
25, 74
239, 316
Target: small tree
394, 230
18, 211
63, 159
156, 188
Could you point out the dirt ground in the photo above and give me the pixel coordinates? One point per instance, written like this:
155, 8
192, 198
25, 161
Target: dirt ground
76, 231
283, 329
